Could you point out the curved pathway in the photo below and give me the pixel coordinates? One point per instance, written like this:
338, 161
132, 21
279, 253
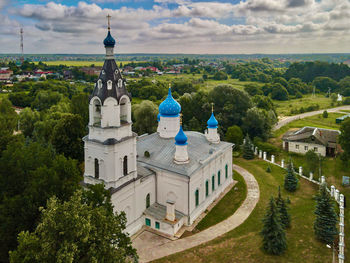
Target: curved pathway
241, 214
289, 119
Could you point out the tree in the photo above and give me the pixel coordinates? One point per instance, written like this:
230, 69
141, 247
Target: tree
324, 83
325, 114
231, 105
145, 115
234, 134
274, 237
8, 123
290, 181
220, 75
75, 231
279, 92
282, 208
258, 123
29, 175
312, 161
344, 137
67, 136
27, 120
248, 152
253, 90
80, 105
326, 218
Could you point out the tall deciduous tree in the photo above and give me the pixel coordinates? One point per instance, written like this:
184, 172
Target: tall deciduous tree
274, 237
283, 210
234, 134
344, 138
27, 120
290, 181
145, 115
75, 231
8, 122
326, 218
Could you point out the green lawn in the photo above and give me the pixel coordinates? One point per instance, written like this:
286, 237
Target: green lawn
314, 121
227, 205
284, 107
243, 243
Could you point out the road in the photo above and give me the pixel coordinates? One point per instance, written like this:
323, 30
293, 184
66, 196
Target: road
289, 119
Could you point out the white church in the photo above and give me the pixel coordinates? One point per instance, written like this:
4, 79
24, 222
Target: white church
163, 180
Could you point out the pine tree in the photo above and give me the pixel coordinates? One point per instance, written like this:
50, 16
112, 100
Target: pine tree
274, 237
283, 210
248, 152
326, 218
290, 181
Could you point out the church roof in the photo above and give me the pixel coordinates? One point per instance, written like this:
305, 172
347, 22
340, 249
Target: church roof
181, 138
162, 151
110, 72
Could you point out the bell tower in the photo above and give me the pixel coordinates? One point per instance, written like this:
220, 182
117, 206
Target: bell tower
110, 146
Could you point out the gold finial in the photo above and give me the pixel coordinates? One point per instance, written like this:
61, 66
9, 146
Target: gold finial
212, 107
180, 119
169, 85
109, 22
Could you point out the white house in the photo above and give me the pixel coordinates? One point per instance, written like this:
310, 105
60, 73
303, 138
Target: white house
163, 180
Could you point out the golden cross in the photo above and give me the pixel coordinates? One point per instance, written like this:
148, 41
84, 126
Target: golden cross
109, 21
212, 107
169, 85
180, 119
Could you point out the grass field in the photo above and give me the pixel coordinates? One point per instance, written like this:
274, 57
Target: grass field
243, 243
314, 121
227, 205
284, 107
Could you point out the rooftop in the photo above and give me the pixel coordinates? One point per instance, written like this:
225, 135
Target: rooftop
161, 152
158, 212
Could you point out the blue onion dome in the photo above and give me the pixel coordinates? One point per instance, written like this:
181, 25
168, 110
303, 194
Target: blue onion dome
109, 40
158, 117
169, 107
212, 122
181, 138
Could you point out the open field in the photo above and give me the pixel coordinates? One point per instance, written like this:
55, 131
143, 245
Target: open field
243, 243
284, 107
227, 205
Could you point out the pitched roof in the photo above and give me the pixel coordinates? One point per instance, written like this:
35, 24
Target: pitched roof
161, 150
314, 134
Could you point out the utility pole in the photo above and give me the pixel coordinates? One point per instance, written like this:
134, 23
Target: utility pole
21, 45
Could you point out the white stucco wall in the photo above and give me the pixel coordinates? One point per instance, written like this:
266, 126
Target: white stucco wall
292, 147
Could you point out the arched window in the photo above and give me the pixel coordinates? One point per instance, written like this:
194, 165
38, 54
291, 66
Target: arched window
124, 112
219, 177
213, 183
148, 200
97, 113
226, 171
97, 169
109, 84
206, 188
125, 165
196, 195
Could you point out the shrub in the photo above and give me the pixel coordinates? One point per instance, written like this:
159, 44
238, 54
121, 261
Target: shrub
325, 114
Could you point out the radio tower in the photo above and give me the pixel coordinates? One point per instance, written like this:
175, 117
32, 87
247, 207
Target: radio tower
21, 45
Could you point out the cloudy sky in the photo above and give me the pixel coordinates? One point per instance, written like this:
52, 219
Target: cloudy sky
177, 26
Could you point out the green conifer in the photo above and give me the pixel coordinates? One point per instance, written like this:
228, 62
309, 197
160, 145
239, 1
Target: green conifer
290, 181
274, 237
326, 218
248, 152
283, 210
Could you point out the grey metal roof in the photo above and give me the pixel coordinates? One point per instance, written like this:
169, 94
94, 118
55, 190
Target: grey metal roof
111, 72
162, 151
158, 212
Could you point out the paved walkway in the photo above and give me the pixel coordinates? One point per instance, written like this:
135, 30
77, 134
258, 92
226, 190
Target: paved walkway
289, 119
148, 253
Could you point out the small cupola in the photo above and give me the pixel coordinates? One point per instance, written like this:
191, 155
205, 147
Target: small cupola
181, 153
169, 107
212, 132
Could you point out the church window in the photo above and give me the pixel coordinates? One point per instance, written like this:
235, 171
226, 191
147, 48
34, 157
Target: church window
97, 169
96, 113
197, 197
148, 200
219, 177
109, 84
148, 222
206, 188
213, 183
125, 165
226, 171
157, 225
120, 83
99, 83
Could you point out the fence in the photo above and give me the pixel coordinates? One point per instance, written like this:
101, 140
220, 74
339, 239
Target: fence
339, 198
